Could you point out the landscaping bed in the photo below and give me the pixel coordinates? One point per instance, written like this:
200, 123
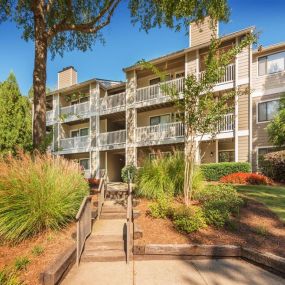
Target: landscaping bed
256, 227
41, 251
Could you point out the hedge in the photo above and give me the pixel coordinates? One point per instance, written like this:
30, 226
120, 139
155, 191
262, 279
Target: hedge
215, 171
273, 165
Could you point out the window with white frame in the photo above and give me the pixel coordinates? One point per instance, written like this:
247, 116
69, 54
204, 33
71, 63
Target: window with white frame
271, 63
74, 133
81, 132
157, 120
267, 110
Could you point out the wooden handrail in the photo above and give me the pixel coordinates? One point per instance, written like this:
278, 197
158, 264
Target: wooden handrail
82, 206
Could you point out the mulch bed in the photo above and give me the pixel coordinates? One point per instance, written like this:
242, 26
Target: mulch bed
257, 227
54, 243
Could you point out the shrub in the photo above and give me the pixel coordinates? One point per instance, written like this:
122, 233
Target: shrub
273, 165
21, 263
93, 182
37, 250
218, 203
38, 193
188, 220
128, 169
160, 208
246, 178
9, 277
165, 175
214, 171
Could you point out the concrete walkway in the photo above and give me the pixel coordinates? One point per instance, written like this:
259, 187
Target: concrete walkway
172, 272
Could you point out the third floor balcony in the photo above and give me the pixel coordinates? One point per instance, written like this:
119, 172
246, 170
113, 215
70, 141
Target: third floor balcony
75, 112
113, 103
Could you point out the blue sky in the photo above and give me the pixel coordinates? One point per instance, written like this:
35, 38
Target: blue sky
125, 44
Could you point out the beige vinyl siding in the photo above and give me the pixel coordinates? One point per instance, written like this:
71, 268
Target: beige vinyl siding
144, 117
169, 67
205, 152
191, 62
269, 81
243, 64
243, 110
243, 149
227, 144
200, 33
66, 129
67, 78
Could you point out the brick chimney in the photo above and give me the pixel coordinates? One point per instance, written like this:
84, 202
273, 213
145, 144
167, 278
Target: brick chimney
66, 77
202, 32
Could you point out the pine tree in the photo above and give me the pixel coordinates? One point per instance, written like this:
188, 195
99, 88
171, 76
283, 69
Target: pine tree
15, 119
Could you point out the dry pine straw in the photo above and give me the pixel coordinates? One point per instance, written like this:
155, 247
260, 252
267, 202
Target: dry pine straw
54, 243
258, 228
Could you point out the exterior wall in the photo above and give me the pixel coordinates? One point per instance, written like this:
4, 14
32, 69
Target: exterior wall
206, 148
143, 118
243, 151
67, 78
191, 63
243, 60
266, 82
143, 152
66, 129
172, 67
243, 109
115, 162
200, 33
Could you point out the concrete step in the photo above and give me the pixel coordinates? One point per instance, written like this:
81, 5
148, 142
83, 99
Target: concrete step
103, 256
111, 241
113, 216
104, 247
114, 209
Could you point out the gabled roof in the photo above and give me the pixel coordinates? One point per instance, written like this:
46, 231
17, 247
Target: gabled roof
186, 50
269, 48
104, 83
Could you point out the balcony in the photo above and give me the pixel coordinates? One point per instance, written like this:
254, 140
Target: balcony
49, 117
112, 140
228, 76
75, 112
74, 145
154, 94
227, 123
113, 103
160, 134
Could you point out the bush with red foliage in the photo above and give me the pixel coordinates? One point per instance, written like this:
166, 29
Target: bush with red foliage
246, 178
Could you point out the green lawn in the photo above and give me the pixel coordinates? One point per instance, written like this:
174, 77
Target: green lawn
272, 196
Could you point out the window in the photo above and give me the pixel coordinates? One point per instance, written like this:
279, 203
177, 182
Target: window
84, 99
84, 163
84, 132
157, 120
271, 64
154, 81
226, 156
267, 110
74, 133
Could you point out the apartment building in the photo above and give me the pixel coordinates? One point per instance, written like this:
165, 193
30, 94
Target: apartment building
108, 124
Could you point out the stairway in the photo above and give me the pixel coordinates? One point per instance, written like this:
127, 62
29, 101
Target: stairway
107, 241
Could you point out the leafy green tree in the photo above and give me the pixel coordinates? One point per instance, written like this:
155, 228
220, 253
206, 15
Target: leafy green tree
67, 25
200, 109
276, 128
15, 119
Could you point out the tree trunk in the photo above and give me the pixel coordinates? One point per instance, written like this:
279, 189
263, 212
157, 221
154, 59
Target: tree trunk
39, 81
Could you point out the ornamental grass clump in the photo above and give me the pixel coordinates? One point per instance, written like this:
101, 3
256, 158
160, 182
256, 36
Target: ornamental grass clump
38, 192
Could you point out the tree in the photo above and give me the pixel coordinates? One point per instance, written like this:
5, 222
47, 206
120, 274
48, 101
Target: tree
15, 119
276, 128
66, 25
199, 105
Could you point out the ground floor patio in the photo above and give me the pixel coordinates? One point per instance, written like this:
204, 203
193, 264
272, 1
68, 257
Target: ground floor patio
171, 272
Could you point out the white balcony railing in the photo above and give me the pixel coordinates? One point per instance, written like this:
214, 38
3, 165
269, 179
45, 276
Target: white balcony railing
156, 91
75, 111
112, 138
228, 76
75, 143
112, 103
227, 123
49, 117
160, 132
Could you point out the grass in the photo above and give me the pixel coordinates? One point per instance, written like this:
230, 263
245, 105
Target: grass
272, 196
21, 263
